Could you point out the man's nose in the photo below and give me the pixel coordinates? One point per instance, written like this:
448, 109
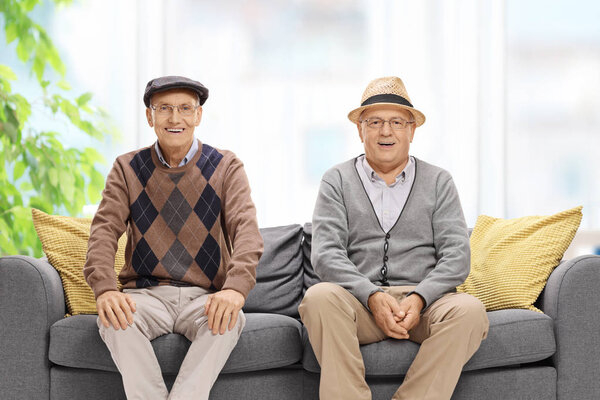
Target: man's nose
386, 129
175, 116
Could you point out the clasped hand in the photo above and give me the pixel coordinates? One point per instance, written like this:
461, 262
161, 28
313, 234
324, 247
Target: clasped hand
395, 318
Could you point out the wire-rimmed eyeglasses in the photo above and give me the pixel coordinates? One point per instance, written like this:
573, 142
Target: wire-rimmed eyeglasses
396, 124
167, 109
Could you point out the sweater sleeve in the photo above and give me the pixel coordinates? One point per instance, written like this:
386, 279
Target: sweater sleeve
329, 255
451, 242
240, 219
108, 225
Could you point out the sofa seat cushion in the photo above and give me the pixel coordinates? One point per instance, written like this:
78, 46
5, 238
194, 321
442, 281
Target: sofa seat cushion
515, 337
267, 341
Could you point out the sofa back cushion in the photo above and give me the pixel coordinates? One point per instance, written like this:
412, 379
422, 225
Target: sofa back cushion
310, 276
279, 275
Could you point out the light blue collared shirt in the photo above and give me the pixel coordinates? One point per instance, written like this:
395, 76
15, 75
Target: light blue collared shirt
387, 200
190, 154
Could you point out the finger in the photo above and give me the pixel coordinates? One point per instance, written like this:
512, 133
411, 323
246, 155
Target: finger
112, 318
211, 316
389, 320
218, 318
130, 302
410, 321
396, 308
396, 335
126, 307
398, 329
234, 317
102, 316
117, 310
225, 321
207, 305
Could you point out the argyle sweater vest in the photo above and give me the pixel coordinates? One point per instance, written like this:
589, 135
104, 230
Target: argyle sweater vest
191, 225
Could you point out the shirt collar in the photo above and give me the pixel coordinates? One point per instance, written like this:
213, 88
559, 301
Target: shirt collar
190, 154
400, 178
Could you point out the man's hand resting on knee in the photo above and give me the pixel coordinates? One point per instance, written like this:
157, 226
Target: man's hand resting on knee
115, 308
223, 308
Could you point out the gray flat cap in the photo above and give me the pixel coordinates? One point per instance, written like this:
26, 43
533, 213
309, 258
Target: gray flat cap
174, 82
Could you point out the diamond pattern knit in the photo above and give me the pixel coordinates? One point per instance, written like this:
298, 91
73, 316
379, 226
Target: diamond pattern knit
177, 220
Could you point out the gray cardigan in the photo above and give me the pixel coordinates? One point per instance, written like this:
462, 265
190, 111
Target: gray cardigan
428, 245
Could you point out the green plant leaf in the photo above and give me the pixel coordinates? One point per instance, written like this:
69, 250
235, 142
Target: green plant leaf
7, 73
6, 244
11, 125
70, 111
84, 99
11, 32
92, 156
55, 61
67, 184
39, 65
23, 110
19, 170
26, 186
53, 177
25, 46
64, 85
29, 5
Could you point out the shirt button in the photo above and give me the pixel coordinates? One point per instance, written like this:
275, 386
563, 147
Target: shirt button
387, 235
385, 258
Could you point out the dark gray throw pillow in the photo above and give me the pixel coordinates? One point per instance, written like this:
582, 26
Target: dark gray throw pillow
310, 276
279, 282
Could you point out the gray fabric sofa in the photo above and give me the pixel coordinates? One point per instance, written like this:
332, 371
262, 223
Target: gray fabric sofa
527, 355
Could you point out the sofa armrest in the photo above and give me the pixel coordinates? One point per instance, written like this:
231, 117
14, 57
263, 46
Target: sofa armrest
572, 299
31, 300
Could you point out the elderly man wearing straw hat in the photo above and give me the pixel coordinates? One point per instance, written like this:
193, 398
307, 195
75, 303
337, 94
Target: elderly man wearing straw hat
390, 244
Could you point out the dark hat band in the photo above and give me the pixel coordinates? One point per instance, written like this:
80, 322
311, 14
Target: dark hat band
386, 98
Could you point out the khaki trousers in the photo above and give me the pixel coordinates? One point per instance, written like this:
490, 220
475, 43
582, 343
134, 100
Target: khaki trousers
161, 310
449, 331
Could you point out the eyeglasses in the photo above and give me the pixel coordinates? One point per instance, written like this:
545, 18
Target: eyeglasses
167, 109
384, 268
396, 124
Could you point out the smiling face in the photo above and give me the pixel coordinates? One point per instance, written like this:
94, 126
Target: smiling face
386, 149
175, 132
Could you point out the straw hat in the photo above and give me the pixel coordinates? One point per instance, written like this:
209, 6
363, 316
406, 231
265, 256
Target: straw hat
389, 90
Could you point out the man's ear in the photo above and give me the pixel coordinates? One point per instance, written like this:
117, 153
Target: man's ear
149, 116
198, 116
412, 132
360, 132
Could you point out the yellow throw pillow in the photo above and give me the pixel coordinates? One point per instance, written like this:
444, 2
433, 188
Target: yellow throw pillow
511, 259
65, 240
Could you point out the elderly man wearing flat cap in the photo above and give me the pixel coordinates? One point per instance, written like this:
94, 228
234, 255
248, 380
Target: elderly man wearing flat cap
193, 245
390, 244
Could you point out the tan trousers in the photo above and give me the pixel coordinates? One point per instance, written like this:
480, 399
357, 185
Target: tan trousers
449, 331
161, 310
